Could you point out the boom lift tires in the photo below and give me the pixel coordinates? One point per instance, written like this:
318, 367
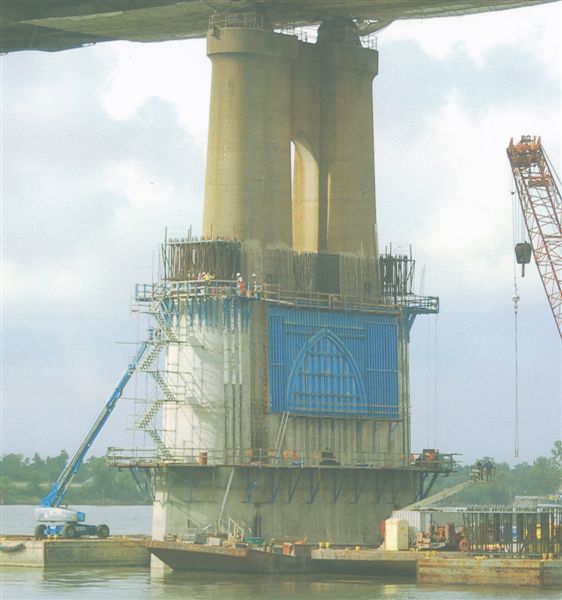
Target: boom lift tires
102, 531
69, 531
39, 532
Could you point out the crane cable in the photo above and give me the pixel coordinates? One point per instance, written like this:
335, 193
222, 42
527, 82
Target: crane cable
515, 298
435, 382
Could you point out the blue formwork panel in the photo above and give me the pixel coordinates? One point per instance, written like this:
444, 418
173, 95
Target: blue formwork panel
338, 364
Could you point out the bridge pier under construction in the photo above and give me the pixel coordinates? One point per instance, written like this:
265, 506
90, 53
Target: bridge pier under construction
281, 348
284, 406
278, 348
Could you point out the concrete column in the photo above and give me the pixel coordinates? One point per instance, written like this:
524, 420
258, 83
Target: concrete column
347, 181
248, 185
306, 138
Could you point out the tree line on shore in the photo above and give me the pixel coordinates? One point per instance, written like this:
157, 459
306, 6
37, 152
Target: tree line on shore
543, 477
26, 480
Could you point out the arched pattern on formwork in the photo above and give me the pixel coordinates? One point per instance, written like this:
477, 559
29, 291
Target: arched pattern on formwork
325, 379
305, 190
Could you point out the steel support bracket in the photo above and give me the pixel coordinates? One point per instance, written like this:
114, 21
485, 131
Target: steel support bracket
293, 488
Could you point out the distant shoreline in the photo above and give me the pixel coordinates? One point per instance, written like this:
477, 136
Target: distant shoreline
108, 504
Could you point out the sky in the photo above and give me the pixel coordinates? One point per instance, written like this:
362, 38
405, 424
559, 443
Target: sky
103, 148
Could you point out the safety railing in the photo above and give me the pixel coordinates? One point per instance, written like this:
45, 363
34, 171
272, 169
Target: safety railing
309, 35
155, 292
241, 20
261, 457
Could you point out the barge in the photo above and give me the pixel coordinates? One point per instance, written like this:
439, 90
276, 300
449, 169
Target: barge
435, 568
183, 556
26, 551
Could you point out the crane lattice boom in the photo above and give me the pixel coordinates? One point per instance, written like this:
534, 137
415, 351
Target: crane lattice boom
542, 209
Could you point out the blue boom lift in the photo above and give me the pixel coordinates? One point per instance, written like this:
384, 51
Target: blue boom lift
50, 517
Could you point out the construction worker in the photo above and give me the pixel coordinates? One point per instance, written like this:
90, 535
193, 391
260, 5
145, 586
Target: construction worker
240, 287
489, 469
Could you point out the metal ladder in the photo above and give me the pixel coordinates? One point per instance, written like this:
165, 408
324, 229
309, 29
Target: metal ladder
224, 499
227, 492
281, 435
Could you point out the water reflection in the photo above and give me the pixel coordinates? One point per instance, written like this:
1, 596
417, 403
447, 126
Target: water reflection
121, 584
124, 583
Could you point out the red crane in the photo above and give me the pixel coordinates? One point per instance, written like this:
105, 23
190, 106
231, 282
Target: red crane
541, 204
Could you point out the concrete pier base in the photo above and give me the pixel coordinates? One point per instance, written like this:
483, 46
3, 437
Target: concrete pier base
344, 505
114, 552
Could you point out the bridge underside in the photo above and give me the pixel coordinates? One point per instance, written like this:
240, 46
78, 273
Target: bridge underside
53, 25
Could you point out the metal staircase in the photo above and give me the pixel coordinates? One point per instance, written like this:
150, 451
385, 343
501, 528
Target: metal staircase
157, 344
155, 406
159, 443
150, 414
168, 394
160, 338
164, 326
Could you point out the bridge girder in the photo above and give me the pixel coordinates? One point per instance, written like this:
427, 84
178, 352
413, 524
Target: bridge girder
54, 25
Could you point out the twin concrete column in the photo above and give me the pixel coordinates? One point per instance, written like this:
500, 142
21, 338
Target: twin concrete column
269, 90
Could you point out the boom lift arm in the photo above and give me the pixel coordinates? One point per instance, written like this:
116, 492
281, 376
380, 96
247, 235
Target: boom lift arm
482, 472
60, 487
542, 209
439, 496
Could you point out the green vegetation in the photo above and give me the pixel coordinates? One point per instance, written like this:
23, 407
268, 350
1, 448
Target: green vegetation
26, 481
542, 478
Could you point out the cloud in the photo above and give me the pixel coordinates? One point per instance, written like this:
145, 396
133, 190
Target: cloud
443, 179
85, 201
447, 100
175, 72
472, 223
535, 30
77, 184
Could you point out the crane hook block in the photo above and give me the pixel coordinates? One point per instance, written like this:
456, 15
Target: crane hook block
523, 255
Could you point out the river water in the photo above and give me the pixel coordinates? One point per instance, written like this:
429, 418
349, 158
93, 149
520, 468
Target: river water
121, 584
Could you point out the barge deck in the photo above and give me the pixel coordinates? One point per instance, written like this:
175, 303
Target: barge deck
182, 556
26, 551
